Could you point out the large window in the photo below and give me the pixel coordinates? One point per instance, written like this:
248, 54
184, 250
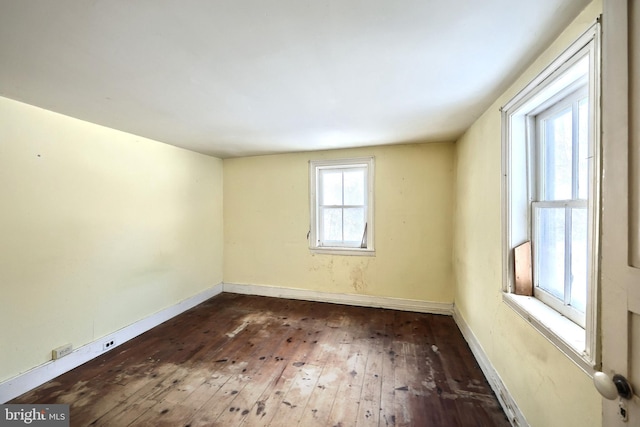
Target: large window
551, 197
341, 206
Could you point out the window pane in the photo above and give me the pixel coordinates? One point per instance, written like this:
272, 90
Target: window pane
354, 187
557, 162
331, 224
583, 149
579, 258
354, 221
339, 205
550, 250
331, 187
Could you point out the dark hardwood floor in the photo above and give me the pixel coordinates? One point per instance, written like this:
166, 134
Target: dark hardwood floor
255, 361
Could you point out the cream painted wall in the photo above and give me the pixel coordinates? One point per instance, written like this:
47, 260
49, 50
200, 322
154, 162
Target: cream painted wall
549, 389
266, 208
99, 229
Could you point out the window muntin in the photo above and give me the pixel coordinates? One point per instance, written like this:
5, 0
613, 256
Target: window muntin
341, 205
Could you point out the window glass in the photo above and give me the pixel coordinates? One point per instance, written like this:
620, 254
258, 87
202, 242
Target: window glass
354, 223
557, 156
331, 184
550, 251
579, 265
331, 224
583, 149
354, 186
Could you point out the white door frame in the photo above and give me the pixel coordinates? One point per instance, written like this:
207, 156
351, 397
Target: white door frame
619, 280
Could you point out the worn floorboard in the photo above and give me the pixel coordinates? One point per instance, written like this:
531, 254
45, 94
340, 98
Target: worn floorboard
238, 360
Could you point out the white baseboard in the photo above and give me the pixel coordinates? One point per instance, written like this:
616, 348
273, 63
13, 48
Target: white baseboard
509, 405
347, 299
22, 383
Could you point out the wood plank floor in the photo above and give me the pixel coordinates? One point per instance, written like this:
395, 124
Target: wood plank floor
239, 360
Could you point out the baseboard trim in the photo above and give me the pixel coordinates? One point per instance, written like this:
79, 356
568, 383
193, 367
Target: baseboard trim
347, 299
24, 382
511, 409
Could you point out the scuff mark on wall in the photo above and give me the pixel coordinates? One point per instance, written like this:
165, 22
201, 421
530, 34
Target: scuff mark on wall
357, 276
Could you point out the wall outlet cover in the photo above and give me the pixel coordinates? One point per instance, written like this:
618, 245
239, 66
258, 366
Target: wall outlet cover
61, 351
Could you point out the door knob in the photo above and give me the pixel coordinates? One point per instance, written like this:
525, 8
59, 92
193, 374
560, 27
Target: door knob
610, 388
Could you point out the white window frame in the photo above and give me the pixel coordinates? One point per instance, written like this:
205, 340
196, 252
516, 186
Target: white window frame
536, 119
579, 343
315, 246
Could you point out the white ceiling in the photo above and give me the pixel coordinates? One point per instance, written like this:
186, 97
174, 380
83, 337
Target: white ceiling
243, 77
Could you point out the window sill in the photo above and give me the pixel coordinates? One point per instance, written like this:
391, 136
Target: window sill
567, 336
343, 251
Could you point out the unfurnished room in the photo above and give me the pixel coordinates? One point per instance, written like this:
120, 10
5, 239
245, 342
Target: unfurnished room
320, 213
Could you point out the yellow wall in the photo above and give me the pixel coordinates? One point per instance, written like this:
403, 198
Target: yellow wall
547, 386
266, 208
101, 228
98, 229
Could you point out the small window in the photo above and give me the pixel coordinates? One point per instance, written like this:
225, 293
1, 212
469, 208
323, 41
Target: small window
342, 206
551, 193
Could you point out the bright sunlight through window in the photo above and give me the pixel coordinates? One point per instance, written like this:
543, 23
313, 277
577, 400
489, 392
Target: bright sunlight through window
341, 205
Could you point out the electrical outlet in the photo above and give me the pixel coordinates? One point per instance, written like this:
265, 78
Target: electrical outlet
61, 351
108, 345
